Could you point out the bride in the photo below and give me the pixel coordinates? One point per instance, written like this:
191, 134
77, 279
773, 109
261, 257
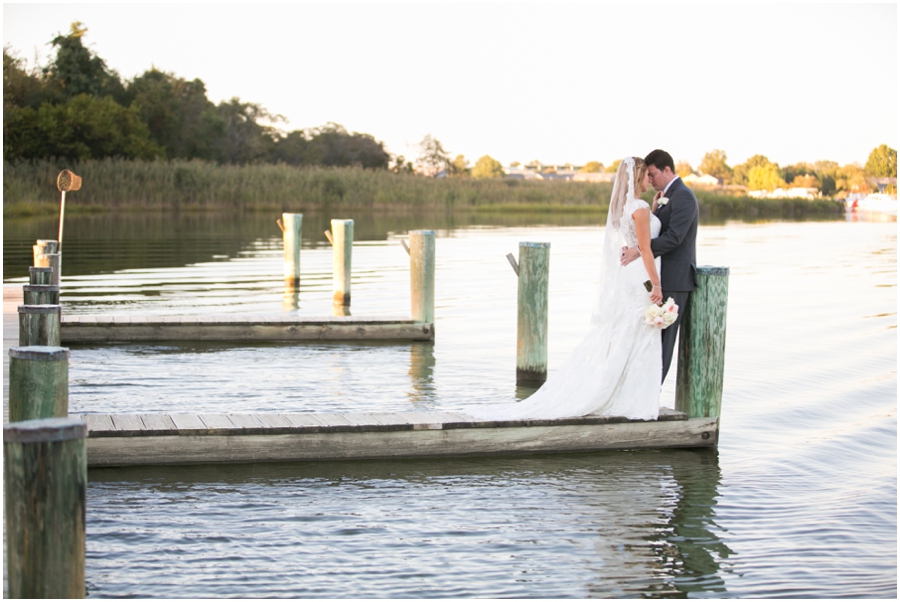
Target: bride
616, 369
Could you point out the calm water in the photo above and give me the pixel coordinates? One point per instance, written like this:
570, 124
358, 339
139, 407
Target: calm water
800, 499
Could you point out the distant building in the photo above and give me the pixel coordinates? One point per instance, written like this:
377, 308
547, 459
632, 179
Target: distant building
597, 176
701, 180
810, 194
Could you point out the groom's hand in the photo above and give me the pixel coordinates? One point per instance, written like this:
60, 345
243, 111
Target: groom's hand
629, 254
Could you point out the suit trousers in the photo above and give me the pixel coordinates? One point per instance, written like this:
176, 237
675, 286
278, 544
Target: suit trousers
669, 334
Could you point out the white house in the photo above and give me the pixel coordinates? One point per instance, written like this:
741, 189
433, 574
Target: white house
701, 180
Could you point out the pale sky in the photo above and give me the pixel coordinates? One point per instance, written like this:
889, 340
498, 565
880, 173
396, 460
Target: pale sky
557, 83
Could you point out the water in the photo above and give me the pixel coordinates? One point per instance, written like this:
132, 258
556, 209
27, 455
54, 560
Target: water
799, 500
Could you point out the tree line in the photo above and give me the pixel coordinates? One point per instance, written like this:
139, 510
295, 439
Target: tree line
759, 173
76, 108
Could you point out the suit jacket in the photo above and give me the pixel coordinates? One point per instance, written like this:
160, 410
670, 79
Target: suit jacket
677, 241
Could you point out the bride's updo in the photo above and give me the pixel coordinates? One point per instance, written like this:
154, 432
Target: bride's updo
620, 188
640, 169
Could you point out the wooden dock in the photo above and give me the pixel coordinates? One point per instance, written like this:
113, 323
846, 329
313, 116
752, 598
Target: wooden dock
170, 439
239, 328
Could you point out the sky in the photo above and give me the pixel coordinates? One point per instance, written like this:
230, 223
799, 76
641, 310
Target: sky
553, 82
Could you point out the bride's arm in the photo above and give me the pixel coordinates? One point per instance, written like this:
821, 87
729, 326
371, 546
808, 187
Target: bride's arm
642, 229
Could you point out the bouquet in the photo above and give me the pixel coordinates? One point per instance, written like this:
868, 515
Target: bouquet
661, 316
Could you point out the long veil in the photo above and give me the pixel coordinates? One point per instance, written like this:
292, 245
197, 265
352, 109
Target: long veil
608, 283
593, 376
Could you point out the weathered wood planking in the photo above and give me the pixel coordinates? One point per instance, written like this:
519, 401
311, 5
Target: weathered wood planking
128, 329
240, 438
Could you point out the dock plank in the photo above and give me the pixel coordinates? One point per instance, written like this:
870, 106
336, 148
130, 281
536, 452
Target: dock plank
159, 424
189, 424
128, 423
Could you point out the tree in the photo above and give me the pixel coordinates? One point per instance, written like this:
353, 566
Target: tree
401, 165
459, 167
592, 167
765, 177
714, 164
487, 167
76, 70
432, 157
806, 181
851, 178
180, 117
515, 164
84, 127
882, 162
683, 168
332, 145
740, 173
613, 167
790, 172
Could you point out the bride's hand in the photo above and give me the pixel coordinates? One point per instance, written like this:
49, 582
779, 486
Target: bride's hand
656, 295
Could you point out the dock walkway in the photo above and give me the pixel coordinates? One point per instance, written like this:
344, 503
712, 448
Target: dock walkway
167, 439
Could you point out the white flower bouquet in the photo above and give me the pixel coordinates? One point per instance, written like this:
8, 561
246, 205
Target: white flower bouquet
662, 316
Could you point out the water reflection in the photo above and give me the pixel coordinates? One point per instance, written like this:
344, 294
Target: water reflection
421, 372
589, 525
291, 298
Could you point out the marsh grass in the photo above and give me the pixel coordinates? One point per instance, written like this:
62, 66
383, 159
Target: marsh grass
136, 186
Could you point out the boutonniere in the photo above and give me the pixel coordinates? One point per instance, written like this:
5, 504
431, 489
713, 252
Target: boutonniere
663, 200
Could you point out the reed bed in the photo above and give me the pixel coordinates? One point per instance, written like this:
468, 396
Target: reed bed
135, 186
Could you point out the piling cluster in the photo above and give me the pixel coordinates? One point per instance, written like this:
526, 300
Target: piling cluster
45, 455
421, 265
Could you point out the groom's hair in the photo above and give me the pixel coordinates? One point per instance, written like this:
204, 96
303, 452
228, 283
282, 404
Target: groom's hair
660, 159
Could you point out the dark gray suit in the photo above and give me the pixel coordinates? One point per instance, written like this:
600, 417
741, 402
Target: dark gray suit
677, 246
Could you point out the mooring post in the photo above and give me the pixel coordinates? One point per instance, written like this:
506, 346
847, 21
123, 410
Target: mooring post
421, 275
40, 294
534, 291
291, 226
39, 276
342, 240
45, 480
39, 325
52, 261
42, 247
701, 346
38, 382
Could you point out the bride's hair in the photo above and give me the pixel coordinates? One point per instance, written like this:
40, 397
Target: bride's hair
620, 187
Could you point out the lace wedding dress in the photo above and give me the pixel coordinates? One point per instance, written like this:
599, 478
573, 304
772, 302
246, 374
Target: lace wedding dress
616, 369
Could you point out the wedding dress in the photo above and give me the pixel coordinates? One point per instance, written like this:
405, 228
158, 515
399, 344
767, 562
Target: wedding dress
616, 369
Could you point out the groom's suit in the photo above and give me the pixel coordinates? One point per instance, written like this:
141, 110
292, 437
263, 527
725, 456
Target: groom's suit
677, 246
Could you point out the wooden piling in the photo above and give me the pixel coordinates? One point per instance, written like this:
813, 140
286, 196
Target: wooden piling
53, 261
45, 480
40, 294
701, 346
37, 275
38, 383
531, 343
291, 225
39, 325
421, 275
342, 239
44, 246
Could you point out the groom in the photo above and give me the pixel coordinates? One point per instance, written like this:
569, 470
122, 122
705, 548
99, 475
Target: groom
678, 212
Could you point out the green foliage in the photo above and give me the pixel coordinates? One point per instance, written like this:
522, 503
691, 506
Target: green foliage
592, 167
882, 162
683, 168
765, 177
131, 185
76, 70
487, 167
331, 145
614, 166
714, 163
741, 172
84, 127
459, 167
